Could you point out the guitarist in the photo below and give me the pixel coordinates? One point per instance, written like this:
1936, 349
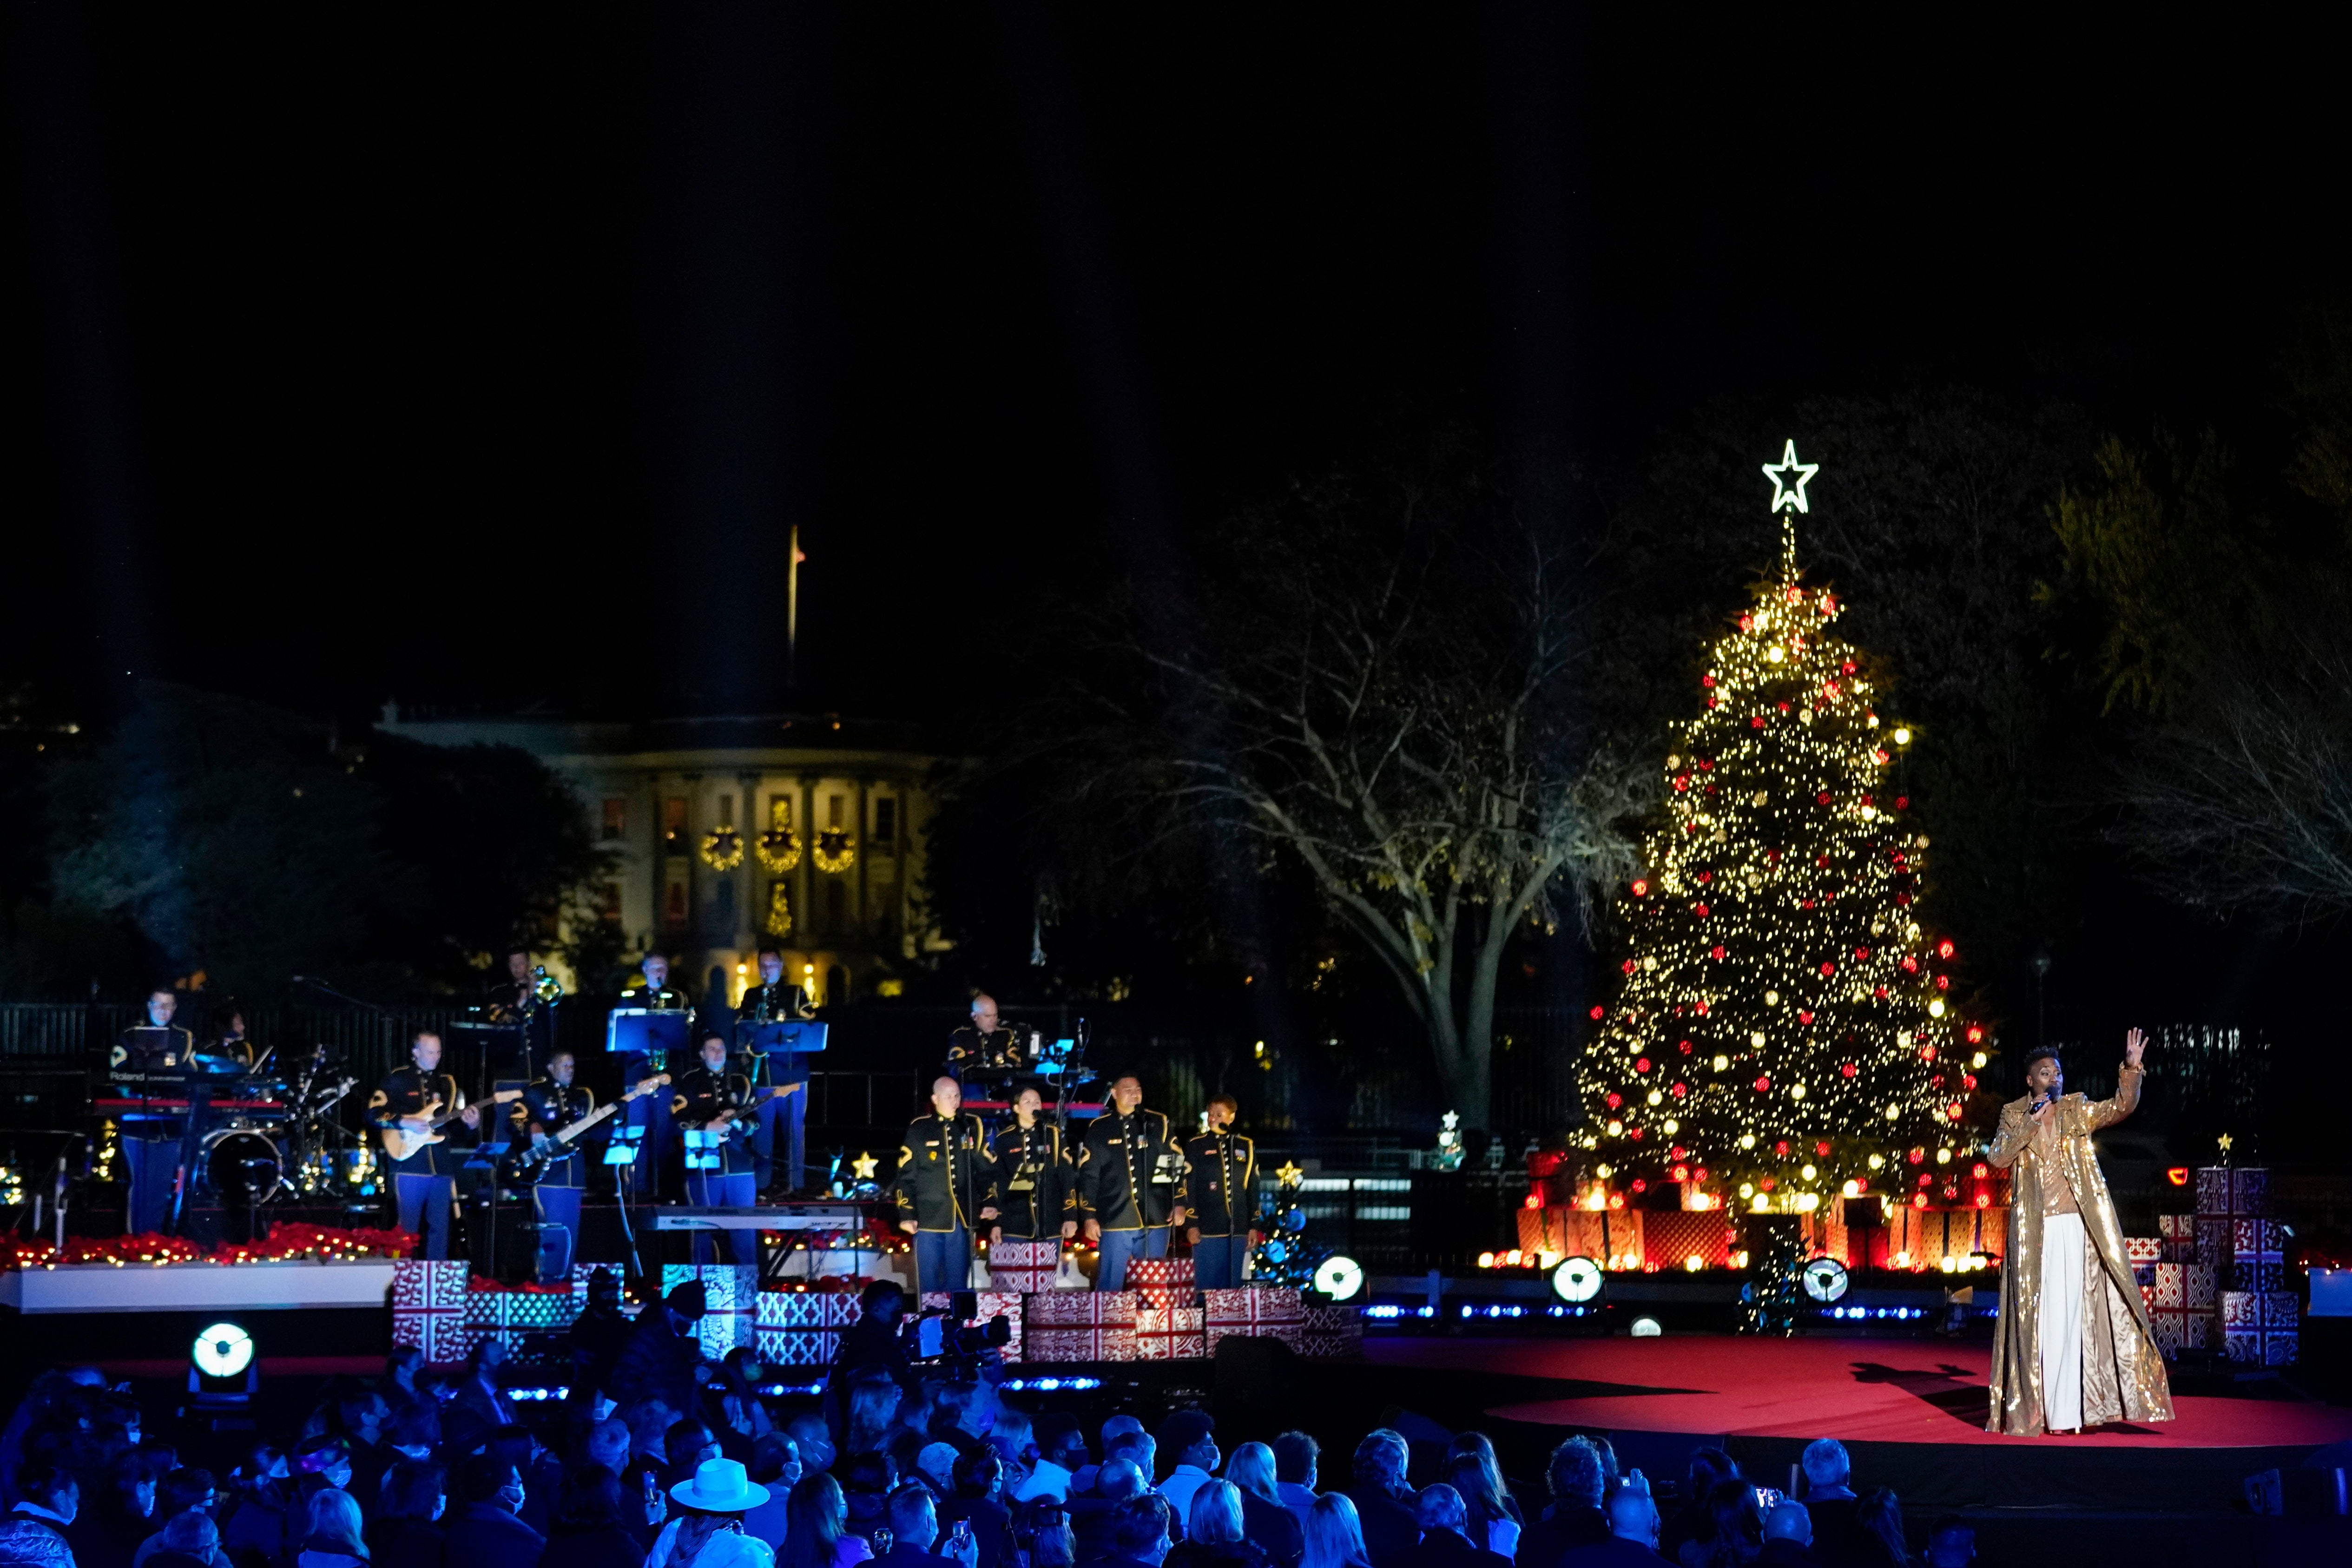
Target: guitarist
547, 1106
425, 1184
710, 1098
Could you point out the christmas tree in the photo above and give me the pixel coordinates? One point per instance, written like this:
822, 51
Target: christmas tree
1785, 1033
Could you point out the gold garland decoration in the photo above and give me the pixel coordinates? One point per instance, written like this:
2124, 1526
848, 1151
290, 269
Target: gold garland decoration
722, 849
780, 910
780, 851
837, 850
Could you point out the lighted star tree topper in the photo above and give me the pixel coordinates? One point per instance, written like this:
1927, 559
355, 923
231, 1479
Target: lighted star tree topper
1786, 1032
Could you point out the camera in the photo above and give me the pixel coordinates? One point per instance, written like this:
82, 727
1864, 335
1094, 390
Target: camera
948, 1338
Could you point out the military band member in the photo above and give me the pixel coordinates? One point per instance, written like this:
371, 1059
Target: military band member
513, 999
548, 1105
1131, 1183
156, 1146
1221, 1180
228, 1049
983, 1045
709, 1099
942, 1186
652, 994
777, 1149
1033, 1193
425, 1184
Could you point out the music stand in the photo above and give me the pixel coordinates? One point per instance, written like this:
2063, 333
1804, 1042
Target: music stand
702, 1146
795, 1037
651, 1033
620, 1151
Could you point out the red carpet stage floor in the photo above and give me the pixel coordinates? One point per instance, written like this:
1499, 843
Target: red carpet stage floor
1869, 1391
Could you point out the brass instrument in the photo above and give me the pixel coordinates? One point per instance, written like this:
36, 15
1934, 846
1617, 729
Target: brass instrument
546, 987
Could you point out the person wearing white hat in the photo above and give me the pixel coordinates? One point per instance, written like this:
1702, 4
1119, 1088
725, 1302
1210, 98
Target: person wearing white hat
711, 1533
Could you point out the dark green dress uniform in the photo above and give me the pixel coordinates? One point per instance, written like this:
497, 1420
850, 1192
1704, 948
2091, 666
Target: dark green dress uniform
1034, 1193
701, 1095
944, 1177
1221, 1180
1130, 1181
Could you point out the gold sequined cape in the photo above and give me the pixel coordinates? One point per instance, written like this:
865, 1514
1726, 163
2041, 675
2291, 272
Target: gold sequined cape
2123, 1373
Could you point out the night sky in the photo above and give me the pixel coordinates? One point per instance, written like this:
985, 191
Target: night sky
485, 362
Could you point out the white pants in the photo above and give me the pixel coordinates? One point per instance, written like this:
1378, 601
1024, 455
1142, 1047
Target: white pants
2062, 1247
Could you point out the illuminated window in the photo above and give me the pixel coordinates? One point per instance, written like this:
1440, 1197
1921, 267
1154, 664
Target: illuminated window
616, 817
725, 809
833, 811
675, 894
674, 824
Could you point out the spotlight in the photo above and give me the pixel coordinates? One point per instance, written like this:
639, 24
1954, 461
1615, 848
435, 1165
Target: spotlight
221, 1368
1339, 1278
1576, 1279
1825, 1279
1646, 1329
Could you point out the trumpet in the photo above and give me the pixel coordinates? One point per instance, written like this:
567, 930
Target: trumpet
545, 988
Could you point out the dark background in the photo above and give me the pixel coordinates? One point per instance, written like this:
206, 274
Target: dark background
481, 362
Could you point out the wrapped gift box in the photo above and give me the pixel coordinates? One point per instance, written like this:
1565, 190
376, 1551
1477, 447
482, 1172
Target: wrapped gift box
429, 1308
2177, 1329
2143, 1249
1021, 1267
1171, 1333
2199, 1286
1257, 1310
2254, 1238
1332, 1331
1671, 1239
581, 1278
1160, 1273
2260, 1346
1079, 1325
2278, 1309
2213, 1234
2240, 1309
2170, 1285
800, 1327
2266, 1275
986, 1304
2175, 1227
730, 1294
2234, 1190
2143, 1273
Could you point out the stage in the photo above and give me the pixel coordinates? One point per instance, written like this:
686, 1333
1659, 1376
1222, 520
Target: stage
1911, 1413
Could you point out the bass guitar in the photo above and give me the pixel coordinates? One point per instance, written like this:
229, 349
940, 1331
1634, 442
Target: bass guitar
524, 1164
401, 1139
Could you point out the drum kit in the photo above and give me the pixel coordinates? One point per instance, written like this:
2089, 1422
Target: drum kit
271, 1136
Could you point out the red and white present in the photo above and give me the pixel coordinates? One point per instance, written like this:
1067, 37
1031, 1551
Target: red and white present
1258, 1310
1021, 1267
1171, 1333
2170, 1285
1332, 1331
429, 1308
2177, 1329
1080, 1325
1163, 1283
2260, 1346
987, 1304
2241, 1309
730, 1298
2143, 1249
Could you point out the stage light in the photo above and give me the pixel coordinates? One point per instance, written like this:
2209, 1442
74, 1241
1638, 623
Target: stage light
1576, 1279
224, 1350
1339, 1278
1646, 1329
1825, 1279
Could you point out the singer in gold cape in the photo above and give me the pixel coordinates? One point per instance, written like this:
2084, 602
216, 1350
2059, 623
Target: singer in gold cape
2122, 1376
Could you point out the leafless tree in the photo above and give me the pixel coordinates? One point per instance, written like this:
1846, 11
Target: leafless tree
1388, 691
2247, 805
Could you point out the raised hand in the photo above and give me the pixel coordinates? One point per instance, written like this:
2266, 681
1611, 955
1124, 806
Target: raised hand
2135, 1044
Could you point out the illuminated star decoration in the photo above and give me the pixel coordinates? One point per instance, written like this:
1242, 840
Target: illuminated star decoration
1789, 494
1289, 1175
2224, 1142
865, 1165
1453, 1119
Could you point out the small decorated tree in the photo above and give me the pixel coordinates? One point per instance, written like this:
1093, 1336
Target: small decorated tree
1785, 1033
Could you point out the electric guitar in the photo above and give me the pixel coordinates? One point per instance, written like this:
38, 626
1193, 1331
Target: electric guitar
772, 1091
524, 1164
401, 1140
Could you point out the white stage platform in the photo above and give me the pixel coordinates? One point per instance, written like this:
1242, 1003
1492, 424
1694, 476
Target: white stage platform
198, 1286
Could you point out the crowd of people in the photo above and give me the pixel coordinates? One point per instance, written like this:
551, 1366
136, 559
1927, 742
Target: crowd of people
661, 1459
